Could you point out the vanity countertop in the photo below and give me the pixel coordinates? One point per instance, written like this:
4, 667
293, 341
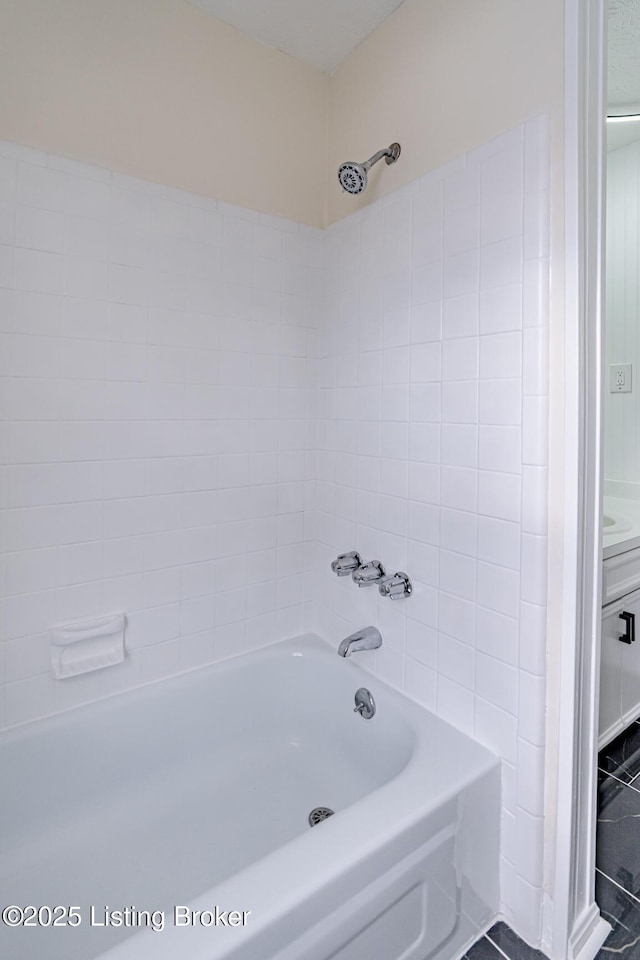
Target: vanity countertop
621, 526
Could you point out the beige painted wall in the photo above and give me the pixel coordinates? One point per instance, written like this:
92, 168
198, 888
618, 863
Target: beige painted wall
441, 77
160, 90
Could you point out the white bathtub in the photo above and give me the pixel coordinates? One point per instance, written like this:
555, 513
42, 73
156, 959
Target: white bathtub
195, 793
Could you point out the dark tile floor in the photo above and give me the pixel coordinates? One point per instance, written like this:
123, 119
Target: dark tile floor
618, 844
617, 861
499, 943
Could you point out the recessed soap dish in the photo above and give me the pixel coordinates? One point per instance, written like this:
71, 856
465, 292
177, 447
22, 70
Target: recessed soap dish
87, 645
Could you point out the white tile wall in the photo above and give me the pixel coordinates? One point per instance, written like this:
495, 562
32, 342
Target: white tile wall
201, 406
432, 457
154, 400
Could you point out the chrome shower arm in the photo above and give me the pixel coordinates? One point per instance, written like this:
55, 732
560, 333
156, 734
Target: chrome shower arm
391, 154
377, 156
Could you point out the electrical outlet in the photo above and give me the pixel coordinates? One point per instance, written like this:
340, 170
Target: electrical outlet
620, 377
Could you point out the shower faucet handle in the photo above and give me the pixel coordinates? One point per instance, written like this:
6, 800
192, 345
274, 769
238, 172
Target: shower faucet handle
396, 587
368, 573
346, 563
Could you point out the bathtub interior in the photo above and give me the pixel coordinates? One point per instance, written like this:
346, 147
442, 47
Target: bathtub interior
154, 796
241, 730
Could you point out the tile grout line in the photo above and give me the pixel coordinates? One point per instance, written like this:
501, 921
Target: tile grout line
616, 884
612, 776
499, 949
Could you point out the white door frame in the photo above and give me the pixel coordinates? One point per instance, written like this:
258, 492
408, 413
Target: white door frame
573, 927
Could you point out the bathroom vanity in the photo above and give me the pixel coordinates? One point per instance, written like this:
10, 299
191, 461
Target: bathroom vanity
620, 653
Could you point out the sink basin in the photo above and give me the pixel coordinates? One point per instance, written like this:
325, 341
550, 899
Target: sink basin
613, 524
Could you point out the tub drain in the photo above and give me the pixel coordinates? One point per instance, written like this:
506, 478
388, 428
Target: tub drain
318, 814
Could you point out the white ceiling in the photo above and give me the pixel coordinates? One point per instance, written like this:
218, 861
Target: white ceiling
320, 32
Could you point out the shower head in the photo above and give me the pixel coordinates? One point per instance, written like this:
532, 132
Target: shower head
353, 176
